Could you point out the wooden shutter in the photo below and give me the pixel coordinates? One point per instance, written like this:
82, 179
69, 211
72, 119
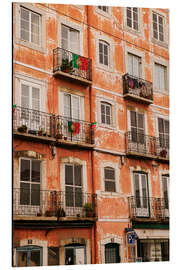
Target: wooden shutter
35, 98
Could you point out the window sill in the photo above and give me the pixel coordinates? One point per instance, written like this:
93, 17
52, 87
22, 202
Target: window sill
104, 67
110, 194
160, 43
31, 45
104, 13
101, 125
132, 31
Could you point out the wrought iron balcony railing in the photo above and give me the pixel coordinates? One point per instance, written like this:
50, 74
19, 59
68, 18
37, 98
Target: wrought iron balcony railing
137, 87
138, 143
145, 207
52, 203
74, 130
72, 64
33, 122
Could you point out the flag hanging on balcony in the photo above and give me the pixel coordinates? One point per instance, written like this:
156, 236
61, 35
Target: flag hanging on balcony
80, 62
73, 127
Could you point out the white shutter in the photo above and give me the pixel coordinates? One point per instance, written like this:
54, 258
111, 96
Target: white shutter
25, 99
67, 105
35, 18
74, 41
130, 64
157, 76
75, 107
136, 71
25, 23
64, 37
35, 99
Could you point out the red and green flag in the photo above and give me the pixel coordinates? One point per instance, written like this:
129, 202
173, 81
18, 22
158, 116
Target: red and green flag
73, 127
80, 62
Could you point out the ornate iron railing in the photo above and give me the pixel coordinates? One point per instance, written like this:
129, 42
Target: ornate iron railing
138, 87
147, 145
33, 122
146, 207
74, 64
74, 130
52, 203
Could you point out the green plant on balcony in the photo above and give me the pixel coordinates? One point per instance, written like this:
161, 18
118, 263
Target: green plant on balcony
67, 66
88, 209
59, 134
22, 128
60, 212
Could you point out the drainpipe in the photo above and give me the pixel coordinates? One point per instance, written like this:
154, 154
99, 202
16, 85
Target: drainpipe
92, 152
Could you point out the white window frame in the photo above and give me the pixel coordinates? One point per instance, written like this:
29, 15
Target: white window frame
114, 166
68, 39
139, 64
110, 180
108, 41
164, 63
129, 109
106, 14
42, 27
130, 29
76, 26
103, 99
165, 28
110, 107
104, 43
141, 55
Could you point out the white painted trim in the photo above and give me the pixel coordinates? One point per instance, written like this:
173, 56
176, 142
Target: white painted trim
118, 240
116, 168
103, 13
158, 115
129, 29
109, 151
161, 173
165, 63
33, 67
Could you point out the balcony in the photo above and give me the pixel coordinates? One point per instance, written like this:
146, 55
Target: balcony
137, 89
74, 131
156, 209
52, 204
34, 123
72, 66
140, 145
59, 129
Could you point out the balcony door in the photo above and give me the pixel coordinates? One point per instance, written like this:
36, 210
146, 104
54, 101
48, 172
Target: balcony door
137, 139
163, 128
29, 192
75, 254
30, 107
141, 195
165, 192
70, 39
73, 190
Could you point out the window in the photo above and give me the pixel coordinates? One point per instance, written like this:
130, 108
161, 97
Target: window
29, 26
141, 194
137, 127
134, 65
104, 53
109, 179
30, 182
75, 254
29, 256
104, 8
112, 253
160, 77
158, 26
132, 18
70, 39
165, 190
73, 185
71, 106
106, 113
53, 255
163, 128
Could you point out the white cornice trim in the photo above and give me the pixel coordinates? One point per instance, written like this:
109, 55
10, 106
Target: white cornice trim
114, 220
32, 67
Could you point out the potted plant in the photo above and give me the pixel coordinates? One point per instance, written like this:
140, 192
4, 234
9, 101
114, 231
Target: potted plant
88, 209
163, 153
39, 214
66, 65
40, 131
23, 128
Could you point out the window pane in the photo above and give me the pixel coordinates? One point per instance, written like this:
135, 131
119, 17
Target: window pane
160, 125
24, 96
22, 258
67, 105
53, 255
24, 24
68, 174
69, 196
137, 190
36, 167
25, 170
110, 186
77, 173
78, 197
154, 17
140, 121
24, 193
112, 253
144, 190
100, 47
35, 258
166, 126
35, 28
106, 60
108, 110
109, 173
133, 118
35, 194
108, 120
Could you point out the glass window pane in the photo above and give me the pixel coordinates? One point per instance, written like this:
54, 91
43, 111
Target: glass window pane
144, 190
21, 258
108, 110
106, 60
109, 173
112, 253
77, 174
53, 255
69, 196
140, 121
24, 194
68, 174
110, 186
133, 119
34, 258
25, 170
36, 167
78, 197
100, 58
35, 194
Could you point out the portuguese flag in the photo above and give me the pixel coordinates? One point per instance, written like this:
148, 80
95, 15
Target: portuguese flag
73, 127
80, 62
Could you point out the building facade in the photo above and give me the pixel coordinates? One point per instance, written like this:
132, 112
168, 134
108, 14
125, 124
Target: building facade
90, 134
